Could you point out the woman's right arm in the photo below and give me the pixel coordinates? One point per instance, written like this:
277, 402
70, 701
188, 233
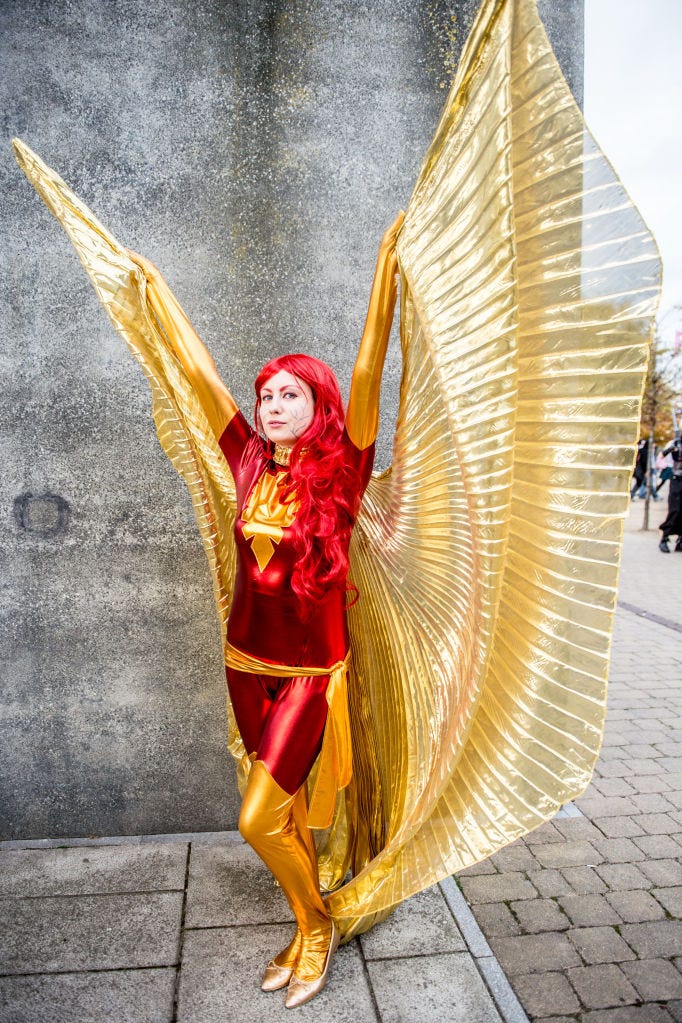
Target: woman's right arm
216, 401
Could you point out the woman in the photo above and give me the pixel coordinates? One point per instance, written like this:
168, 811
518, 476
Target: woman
299, 489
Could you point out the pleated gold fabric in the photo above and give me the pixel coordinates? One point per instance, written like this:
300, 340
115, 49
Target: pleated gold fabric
487, 557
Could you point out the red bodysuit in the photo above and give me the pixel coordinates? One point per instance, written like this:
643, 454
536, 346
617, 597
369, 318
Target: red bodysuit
282, 720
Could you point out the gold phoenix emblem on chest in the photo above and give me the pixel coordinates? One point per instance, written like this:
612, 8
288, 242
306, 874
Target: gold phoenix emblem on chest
266, 516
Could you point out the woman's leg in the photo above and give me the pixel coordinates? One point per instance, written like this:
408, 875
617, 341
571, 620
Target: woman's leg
267, 823
251, 701
274, 812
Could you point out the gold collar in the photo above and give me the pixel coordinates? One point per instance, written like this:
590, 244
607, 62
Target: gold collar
282, 454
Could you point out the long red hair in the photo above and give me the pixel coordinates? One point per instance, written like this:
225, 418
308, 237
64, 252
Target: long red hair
321, 482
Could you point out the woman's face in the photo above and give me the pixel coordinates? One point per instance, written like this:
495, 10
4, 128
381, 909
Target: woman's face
287, 407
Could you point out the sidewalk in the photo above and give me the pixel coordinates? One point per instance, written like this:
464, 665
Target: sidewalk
583, 914
153, 931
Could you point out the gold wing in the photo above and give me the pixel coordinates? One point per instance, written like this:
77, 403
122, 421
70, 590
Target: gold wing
182, 428
487, 557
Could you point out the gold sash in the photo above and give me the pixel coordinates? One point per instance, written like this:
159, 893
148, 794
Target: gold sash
335, 767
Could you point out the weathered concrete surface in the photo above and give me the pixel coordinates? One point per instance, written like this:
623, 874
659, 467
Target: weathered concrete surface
128, 996
255, 151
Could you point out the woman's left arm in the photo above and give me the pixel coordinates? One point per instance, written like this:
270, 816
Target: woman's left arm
362, 417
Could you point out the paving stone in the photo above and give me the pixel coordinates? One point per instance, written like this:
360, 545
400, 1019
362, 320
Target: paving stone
601, 987
671, 898
656, 847
651, 940
622, 876
126, 996
535, 953
635, 907
497, 888
652, 802
447, 987
496, 920
606, 806
89, 932
670, 749
230, 885
663, 873
657, 823
537, 915
618, 850
544, 835
588, 910
86, 870
421, 925
516, 856
654, 783
654, 979
584, 881
550, 992
614, 787
629, 1014
568, 854
615, 769
643, 749
675, 1010
600, 945
555, 1019
618, 827
576, 829
222, 967
550, 882
484, 867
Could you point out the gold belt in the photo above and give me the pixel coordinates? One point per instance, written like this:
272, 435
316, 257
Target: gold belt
335, 766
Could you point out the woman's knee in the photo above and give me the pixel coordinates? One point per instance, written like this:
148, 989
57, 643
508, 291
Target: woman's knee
266, 808
248, 822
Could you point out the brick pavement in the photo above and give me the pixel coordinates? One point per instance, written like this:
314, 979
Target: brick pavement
584, 913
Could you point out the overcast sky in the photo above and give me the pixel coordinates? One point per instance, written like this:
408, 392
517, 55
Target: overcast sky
633, 106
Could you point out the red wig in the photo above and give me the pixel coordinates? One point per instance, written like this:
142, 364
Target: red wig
321, 482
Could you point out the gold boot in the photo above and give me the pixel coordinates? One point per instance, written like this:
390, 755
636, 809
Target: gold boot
267, 822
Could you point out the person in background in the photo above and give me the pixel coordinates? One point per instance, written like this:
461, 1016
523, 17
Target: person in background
672, 526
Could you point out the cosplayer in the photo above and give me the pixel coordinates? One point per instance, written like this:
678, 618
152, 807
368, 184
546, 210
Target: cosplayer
298, 492
486, 558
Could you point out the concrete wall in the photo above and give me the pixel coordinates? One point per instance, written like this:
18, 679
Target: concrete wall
255, 151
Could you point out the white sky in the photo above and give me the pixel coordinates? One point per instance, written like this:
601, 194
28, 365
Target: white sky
633, 106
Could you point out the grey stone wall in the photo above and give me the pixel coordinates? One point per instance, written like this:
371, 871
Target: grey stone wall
255, 151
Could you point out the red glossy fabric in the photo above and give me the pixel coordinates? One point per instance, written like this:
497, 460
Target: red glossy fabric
265, 617
282, 720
